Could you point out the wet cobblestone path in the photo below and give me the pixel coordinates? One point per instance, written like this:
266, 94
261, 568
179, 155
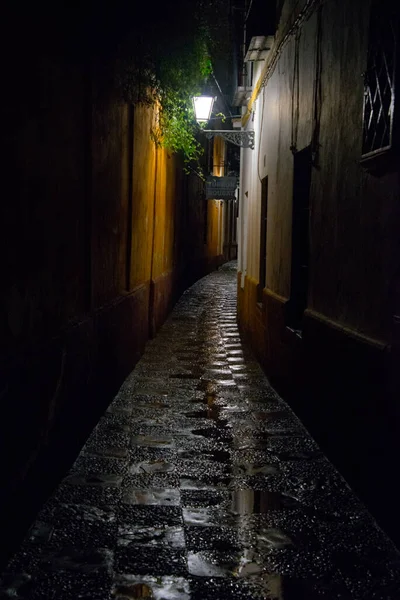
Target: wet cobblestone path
200, 483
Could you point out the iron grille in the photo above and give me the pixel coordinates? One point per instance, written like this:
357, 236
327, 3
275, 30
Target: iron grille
379, 82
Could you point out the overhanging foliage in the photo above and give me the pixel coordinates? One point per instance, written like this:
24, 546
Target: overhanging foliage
166, 62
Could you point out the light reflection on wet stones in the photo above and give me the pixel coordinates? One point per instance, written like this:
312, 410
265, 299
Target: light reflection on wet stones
151, 536
203, 565
198, 457
157, 497
202, 516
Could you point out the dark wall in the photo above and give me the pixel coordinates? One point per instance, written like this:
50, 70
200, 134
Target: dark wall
80, 288
341, 373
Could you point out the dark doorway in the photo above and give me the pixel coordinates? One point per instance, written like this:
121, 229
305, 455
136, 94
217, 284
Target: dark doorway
263, 239
300, 237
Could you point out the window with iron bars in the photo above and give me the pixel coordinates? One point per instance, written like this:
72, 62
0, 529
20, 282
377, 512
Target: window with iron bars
379, 81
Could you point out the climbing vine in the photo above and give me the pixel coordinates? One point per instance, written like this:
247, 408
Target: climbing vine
166, 63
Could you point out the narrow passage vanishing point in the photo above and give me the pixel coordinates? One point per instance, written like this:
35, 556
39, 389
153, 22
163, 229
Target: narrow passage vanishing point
200, 483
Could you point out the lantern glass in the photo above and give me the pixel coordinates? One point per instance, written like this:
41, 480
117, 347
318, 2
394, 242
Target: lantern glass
203, 106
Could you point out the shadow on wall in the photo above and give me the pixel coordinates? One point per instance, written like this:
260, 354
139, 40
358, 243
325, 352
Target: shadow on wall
88, 273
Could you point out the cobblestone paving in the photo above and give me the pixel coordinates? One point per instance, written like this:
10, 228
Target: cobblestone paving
198, 483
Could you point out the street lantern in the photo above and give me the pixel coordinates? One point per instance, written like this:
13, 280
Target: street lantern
203, 106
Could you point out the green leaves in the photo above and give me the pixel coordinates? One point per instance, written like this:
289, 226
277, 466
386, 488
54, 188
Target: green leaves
167, 64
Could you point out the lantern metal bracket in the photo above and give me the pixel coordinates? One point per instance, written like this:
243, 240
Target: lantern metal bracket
245, 139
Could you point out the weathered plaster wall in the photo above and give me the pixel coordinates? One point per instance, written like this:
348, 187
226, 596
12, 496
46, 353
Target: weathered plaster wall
337, 375
354, 219
101, 232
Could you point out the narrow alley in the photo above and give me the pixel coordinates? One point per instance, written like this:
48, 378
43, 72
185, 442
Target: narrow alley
200, 483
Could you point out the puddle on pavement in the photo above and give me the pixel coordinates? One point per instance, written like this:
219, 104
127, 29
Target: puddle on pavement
152, 466
212, 411
151, 536
248, 501
158, 497
131, 587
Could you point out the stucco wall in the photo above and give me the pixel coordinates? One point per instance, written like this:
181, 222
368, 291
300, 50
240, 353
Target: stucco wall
338, 374
101, 232
352, 230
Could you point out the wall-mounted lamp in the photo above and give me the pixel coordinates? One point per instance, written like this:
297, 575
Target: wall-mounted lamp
203, 106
